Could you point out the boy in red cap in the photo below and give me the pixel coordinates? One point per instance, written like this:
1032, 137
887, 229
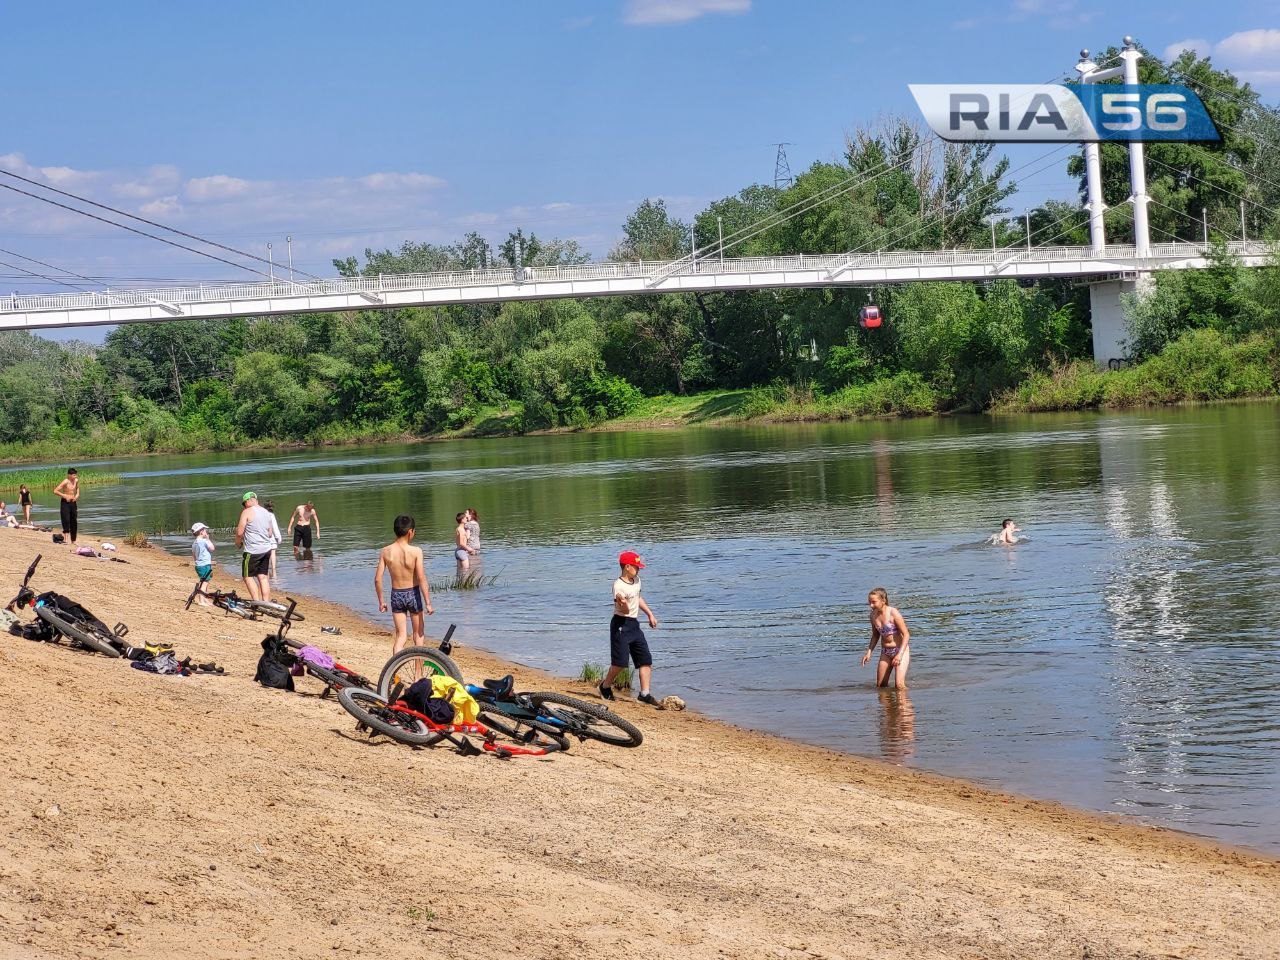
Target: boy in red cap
627, 642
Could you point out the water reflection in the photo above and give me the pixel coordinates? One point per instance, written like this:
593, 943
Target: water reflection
897, 725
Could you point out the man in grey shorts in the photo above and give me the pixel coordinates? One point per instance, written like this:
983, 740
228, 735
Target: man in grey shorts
254, 536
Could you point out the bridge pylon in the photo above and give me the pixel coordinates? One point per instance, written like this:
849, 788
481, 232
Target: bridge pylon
1107, 297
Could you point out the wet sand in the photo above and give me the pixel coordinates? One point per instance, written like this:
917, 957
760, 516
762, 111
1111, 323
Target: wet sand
207, 817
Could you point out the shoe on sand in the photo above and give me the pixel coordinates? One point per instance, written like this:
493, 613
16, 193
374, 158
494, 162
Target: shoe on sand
648, 698
605, 692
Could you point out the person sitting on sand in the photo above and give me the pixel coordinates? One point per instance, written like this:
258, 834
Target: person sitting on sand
202, 553
410, 592
7, 519
1008, 533
890, 631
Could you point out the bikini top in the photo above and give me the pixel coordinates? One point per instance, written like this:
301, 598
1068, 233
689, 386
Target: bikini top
889, 628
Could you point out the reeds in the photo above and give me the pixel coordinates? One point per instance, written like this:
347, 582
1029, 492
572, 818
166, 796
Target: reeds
44, 480
470, 580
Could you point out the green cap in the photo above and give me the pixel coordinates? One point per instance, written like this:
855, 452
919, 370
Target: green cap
249, 496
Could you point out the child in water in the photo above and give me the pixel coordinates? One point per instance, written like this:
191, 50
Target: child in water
1008, 533
890, 631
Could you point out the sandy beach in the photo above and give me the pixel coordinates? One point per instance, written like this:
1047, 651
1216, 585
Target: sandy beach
207, 817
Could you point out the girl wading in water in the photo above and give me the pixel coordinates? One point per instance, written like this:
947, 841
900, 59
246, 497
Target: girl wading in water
890, 631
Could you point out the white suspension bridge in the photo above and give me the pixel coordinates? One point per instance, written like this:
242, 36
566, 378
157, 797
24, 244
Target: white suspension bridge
1111, 271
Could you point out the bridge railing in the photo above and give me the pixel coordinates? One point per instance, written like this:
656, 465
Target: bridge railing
371, 288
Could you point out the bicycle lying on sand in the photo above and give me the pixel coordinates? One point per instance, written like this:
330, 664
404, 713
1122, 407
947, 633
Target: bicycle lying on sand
552, 714
316, 662
60, 617
63, 617
244, 607
394, 718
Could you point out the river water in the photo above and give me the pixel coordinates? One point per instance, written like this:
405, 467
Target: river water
1124, 659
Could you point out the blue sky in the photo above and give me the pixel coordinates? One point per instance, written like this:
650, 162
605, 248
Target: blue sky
352, 125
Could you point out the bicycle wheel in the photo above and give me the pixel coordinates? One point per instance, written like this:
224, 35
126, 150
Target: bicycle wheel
372, 712
414, 663
519, 725
584, 719
271, 608
75, 631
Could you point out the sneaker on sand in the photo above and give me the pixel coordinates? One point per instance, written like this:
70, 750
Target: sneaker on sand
648, 698
606, 692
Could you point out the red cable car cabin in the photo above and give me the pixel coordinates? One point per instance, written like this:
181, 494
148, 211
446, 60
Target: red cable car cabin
869, 317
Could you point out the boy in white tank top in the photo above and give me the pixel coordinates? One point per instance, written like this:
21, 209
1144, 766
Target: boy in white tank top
627, 642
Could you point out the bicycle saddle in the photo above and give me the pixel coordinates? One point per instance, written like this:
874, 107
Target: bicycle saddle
501, 688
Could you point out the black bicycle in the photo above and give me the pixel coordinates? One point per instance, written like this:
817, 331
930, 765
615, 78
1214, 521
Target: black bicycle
516, 714
63, 617
244, 607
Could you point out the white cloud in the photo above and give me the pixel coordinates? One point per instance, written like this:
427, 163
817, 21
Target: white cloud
327, 217
400, 181
1251, 47
162, 207
650, 12
217, 187
67, 177
1196, 44
1252, 55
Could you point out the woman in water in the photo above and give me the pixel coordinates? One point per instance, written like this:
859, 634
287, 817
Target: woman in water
890, 631
24, 501
472, 523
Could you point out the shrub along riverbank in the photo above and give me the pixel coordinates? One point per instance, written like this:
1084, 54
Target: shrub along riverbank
1199, 366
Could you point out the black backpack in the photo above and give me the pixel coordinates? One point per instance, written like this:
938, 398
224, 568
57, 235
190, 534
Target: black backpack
419, 698
275, 665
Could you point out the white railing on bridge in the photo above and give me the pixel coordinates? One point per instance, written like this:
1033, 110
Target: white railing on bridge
371, 287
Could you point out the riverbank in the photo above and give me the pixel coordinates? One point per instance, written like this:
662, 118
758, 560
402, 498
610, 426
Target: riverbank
148, 816
1202, 366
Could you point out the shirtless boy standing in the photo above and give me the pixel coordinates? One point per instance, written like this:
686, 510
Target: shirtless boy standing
409, 590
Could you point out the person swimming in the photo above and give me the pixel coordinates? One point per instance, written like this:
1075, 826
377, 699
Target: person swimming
1008, 534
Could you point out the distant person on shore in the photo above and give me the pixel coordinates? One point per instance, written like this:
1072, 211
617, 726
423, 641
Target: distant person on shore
1008, 534
627, 642
254, 537
304, 522
7, 519
24, 501
461, 550
410, 592
202, 548
69, 490
270, 507
472, 523
890, 631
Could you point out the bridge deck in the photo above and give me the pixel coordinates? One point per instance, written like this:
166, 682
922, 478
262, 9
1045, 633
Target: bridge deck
220, 300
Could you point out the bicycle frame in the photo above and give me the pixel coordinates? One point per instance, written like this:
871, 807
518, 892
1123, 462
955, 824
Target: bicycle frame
456, 733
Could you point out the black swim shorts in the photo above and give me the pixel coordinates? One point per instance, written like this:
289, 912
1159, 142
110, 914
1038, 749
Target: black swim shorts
302, 536
255, 565
627, 642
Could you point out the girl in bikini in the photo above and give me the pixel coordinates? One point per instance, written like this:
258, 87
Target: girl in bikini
890, 631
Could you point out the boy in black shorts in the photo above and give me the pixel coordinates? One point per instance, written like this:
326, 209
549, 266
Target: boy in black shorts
627, 643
